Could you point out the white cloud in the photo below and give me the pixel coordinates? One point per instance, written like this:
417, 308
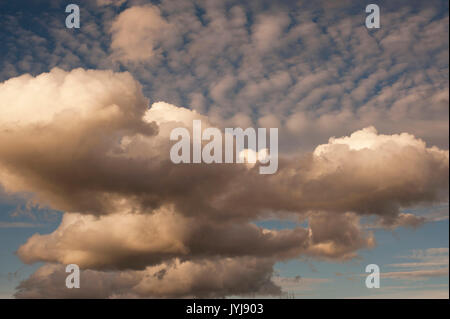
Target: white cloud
137, 32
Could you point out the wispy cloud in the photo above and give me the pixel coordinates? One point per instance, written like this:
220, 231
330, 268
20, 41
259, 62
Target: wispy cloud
416, 274
19, 225
432, 262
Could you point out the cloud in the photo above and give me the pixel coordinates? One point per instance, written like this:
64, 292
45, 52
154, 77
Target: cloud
431, 257
268, 29
316, 63
134, 241
121, 241
18, 225
110, 2
58, 129
298, 284
85, 142
112, 155
203, 279
438, 214
422, 264
416, 274
137, 32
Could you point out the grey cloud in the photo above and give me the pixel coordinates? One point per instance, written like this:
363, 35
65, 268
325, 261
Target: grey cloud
202, 279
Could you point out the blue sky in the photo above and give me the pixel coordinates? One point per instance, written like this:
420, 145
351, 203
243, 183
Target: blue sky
311, 69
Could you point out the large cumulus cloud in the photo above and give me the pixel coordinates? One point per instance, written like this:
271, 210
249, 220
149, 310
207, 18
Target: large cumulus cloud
60, 129
134, 241
87, 143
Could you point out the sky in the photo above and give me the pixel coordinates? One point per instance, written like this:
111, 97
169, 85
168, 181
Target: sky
86, 178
